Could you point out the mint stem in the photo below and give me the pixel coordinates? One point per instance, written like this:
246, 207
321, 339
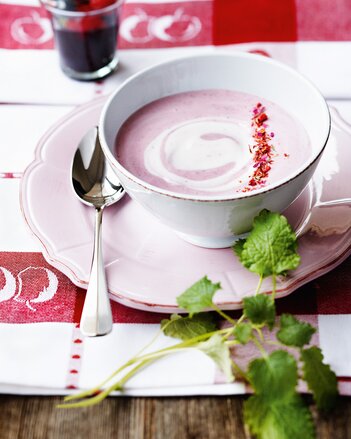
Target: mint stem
152, 341
275, 343
259, 285
260, 333
260, 347
103, 394
223, 314
242, 317
174, 348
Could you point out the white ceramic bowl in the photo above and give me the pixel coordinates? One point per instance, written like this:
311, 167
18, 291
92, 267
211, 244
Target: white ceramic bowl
211, 221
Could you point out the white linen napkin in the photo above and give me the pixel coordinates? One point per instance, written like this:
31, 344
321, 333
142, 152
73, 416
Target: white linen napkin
44, 82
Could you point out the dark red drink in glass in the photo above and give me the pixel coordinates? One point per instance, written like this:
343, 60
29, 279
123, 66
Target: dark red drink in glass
86, 38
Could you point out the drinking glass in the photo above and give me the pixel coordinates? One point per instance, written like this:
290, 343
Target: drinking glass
85, 38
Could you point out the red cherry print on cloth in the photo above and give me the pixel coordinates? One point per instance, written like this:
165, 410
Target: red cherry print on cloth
32, 28
167, 24
177, 27
42, 290
7, 285
33, 291
136, 27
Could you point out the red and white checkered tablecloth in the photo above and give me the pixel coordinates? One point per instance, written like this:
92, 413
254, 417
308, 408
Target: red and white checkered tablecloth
41, 348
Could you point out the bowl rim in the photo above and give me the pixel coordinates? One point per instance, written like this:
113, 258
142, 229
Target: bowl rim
214, 198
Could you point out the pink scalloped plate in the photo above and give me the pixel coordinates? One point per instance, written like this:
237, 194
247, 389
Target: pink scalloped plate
147, 264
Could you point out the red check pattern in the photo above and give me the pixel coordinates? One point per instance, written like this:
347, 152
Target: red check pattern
31, 290
196, 23
329, 294
146, 25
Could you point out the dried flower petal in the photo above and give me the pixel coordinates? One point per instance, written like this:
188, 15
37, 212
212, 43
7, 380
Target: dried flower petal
262, 150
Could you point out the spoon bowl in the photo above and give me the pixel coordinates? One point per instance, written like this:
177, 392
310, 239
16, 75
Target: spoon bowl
94, 181
95, 184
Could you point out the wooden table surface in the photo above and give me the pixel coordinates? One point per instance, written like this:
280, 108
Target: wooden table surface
29, 417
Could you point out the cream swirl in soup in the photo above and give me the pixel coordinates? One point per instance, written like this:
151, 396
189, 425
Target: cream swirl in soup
203, 143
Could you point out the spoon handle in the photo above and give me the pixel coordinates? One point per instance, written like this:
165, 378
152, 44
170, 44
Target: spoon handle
96, 316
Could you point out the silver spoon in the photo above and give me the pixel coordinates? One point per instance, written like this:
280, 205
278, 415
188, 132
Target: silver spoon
95, 184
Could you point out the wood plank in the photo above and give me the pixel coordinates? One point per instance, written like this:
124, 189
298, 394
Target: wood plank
36, 417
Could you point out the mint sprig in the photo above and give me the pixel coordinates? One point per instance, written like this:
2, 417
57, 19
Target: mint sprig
275, 410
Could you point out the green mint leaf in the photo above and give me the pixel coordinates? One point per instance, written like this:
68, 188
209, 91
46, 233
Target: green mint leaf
216, 349
276, 411
270, 247
292, 332
243, 332
274, 376
287, 419
199, 296
260, 309
186, 328
321, 380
